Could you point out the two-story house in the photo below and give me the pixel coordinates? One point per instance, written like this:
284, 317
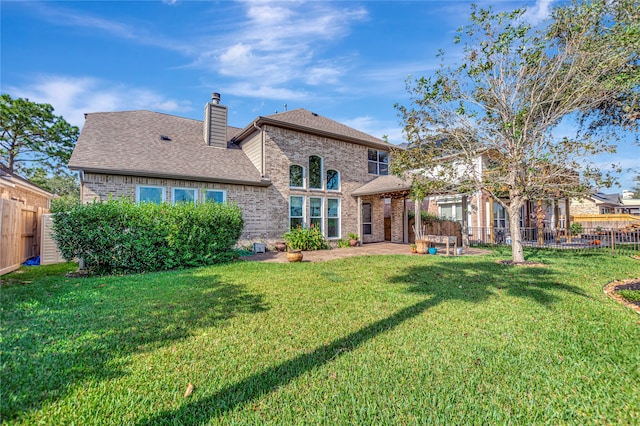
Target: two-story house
287, 169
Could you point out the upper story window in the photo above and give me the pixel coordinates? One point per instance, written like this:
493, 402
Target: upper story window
215, 195
149, 194
184, 195
296, 176
333, 180
315, 172
378, 162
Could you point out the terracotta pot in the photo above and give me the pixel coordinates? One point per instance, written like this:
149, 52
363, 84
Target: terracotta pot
353, 243
281, 246
422, 246
294, 256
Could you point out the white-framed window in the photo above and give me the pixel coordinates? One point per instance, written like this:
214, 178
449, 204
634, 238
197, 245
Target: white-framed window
367, 221
150, 194
296, 211
499, 216
315, 172
378, 162
333, 218
333, 180
296, 176
451, 211
315, 212
215, 195
184, 195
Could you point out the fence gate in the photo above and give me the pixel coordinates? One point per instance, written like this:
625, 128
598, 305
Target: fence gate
49, 252
19, 234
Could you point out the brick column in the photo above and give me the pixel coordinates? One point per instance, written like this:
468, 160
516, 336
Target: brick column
397, 221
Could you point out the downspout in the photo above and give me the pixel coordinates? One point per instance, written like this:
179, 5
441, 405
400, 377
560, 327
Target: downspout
262, 159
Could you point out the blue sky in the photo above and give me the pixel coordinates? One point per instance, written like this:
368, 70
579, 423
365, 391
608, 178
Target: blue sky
346, 60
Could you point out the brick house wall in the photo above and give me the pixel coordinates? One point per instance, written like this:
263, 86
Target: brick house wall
266, 209
284, 147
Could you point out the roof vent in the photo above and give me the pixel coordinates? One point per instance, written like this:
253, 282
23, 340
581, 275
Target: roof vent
215, 98
164, 138
314, 114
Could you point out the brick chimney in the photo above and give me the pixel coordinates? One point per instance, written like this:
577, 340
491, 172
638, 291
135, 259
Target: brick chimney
215, 122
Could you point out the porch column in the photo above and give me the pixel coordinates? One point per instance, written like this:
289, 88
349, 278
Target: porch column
465, 221
417, 221
397, 220
405, 221
556, 220
360, 219
491, 230
567, 220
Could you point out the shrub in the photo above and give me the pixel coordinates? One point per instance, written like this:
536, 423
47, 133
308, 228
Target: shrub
118, 236
305, 239
427, 218
576, 228
343, 243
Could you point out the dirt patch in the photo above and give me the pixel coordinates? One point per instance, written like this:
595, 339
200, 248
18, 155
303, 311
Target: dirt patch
612, 289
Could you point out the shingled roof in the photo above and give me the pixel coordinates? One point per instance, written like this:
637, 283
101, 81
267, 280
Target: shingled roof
145, 143
384, 185
306, 121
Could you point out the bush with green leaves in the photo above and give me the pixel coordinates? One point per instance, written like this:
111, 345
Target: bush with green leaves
576, 228
300, 238
118, 236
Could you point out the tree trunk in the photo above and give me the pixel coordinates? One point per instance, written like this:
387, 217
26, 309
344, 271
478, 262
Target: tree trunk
517, 250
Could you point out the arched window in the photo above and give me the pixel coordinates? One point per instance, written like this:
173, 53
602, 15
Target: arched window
333, 180
315, 172
296, 176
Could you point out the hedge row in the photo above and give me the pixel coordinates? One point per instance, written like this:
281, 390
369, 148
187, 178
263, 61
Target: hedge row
118, 236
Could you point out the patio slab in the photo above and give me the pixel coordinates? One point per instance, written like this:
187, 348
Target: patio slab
364, 250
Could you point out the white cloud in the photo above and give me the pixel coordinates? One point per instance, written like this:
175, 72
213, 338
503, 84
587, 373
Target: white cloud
279, 44
135, 32
540, 11
72, 97
376, 128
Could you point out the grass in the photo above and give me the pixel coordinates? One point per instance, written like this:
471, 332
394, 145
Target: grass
630, 295
372, 340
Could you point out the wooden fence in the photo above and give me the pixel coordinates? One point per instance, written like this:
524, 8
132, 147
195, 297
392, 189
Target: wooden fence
19, 234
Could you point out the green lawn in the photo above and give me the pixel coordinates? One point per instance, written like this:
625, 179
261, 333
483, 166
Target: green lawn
370, 340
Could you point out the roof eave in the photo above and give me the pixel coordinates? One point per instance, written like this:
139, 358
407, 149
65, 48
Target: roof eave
266, 120
139, 173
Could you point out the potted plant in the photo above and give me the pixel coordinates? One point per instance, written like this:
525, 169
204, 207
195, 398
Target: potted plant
294, 255
353, 240
422, 244
413, 248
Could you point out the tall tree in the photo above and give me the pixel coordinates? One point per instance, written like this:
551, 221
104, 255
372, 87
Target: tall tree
636, 189
31, 136
487, 123
67, 186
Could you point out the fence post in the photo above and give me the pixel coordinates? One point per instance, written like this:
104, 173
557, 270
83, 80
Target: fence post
613, 242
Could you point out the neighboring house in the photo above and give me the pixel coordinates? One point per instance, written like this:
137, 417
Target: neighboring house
283, 170
16, 188
598, 203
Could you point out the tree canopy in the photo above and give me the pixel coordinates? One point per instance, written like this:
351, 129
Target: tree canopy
487, 124
32, 136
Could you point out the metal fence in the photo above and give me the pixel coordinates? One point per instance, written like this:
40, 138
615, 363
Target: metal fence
621, 241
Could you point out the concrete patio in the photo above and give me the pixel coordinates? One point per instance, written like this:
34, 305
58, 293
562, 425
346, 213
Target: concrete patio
364, 250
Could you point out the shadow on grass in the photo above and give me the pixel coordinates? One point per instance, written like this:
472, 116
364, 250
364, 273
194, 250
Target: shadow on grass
473, 281
62, 332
